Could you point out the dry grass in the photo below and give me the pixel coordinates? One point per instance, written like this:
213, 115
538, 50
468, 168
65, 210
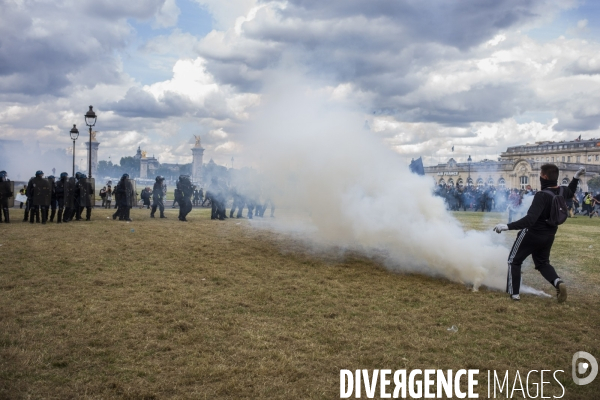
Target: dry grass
214, 309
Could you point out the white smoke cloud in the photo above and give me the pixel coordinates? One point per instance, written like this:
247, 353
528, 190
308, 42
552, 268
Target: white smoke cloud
349, 190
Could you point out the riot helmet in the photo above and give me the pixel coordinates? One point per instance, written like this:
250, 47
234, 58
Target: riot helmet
39, 173
125, 176
63, 175
77, 175
160, 178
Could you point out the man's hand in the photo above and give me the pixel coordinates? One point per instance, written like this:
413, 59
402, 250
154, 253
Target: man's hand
500, 227
580, 172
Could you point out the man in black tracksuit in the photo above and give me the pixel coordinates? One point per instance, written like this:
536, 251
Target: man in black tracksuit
536, 236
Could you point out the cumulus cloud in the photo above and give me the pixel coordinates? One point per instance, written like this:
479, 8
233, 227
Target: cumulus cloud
191, 91
422, 77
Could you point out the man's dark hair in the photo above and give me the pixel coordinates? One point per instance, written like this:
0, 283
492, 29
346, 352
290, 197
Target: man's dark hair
551, 171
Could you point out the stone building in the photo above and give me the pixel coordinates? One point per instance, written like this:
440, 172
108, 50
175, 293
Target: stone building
519, 166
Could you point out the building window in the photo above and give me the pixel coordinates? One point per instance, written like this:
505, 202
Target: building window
442, 182
597, 158
547, 159
490, 182
563, 158
524, 181
469, 182
578, 158
450, 182
589, 158
552, 158
502, 183
459, 182
565, 181
479, 182
568, 158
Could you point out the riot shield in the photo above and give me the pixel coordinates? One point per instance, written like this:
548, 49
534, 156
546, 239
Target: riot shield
7, 192
131, 193
42, 191
87, 192
70, 192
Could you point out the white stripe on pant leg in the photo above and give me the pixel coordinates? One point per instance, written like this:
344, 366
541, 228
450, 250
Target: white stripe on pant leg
509, 279
516, 246
512, 257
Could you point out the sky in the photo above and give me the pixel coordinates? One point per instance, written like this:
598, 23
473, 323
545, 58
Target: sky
476, 75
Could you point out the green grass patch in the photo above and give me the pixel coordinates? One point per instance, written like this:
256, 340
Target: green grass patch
211, 309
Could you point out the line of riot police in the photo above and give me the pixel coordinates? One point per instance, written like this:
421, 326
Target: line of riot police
245, 196
67, 197
46, 196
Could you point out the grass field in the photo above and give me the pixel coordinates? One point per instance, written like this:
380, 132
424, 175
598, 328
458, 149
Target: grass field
159, 309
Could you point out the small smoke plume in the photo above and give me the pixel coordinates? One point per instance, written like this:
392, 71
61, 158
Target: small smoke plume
342, 187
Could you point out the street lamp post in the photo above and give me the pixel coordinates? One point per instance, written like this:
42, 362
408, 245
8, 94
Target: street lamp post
90, 120
74, 135
469, 160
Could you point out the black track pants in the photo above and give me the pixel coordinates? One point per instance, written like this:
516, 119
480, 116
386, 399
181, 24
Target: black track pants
533, 243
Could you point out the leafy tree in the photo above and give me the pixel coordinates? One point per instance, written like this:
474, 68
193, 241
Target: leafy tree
168, 173
107, 168
212, 170
594, 184
131, 166
185, 169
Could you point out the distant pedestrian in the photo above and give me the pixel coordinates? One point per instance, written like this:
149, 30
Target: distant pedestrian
103, 196
22, 192
109, 195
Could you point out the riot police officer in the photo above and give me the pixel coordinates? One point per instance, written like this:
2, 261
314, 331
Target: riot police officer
52, 181
238, 202
217, 199
158, 197
86, 195
6, 194
125, 194
184, 192
77, 209
39, 194
59, 191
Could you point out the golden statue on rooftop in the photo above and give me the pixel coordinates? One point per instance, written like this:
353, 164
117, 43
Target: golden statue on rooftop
197, 141
144, 153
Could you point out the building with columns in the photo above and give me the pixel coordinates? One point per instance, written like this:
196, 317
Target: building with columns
519, 166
